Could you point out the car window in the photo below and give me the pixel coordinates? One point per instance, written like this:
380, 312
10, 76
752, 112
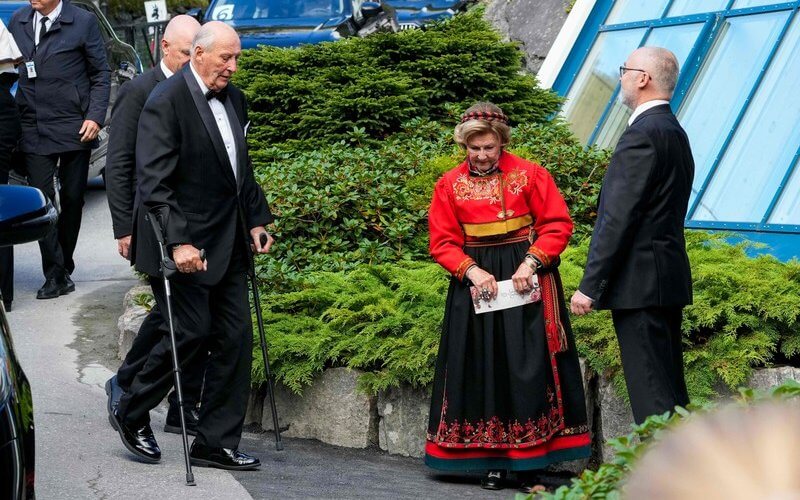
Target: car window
275, 9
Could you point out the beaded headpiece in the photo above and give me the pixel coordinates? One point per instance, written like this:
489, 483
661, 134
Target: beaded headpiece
488, 116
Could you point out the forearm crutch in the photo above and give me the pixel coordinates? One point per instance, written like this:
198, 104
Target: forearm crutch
168, 269
263, 338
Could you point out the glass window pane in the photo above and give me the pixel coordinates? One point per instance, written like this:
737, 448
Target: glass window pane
680, 40
787, 211
764, 145
597, 80
688, 7
625, 11
742, 4
709, 110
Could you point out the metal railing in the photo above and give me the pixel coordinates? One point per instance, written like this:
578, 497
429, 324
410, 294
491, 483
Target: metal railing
145, 38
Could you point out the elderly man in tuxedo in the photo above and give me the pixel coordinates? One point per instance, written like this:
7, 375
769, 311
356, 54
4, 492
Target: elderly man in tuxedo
637, 264
193, 168
63, 97
176, 47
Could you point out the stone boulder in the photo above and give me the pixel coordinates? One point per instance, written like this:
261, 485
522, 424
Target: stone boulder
403, 420
330, 410
616, 417
767, 378
533, 23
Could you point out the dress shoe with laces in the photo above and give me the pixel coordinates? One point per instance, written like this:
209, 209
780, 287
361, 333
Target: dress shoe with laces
222, 458
173, 423
114, 392
493, 480
139, 440
53, 288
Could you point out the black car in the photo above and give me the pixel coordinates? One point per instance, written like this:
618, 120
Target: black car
25, 215
122, 58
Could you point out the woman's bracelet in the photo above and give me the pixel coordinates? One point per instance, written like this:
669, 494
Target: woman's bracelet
532, 262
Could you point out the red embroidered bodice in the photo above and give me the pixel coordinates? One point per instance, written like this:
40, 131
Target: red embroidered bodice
519, 195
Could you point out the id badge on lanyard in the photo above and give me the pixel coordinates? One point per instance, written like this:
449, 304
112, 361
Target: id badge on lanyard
31, 67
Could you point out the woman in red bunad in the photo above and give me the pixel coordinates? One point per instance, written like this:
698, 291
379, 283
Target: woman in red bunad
508, 393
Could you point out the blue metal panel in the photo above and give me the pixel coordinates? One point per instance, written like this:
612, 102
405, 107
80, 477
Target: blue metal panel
744, 226
739, 117
782, 246
582, 46
693, 62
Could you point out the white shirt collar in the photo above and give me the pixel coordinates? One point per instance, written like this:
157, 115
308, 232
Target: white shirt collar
203, 87
644, 107
165, 69
52, 16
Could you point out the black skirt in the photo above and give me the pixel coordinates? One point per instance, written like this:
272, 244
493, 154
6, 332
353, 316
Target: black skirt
503, 396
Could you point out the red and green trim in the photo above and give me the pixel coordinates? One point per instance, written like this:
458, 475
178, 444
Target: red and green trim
558, 449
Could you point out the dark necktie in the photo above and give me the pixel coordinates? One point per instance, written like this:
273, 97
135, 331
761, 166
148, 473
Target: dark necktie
220, 95
43, 28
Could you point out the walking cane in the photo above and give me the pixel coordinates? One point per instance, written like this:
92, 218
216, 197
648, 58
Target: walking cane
168, 269
263, 337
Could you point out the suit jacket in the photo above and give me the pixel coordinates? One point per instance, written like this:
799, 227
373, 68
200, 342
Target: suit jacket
637, 256
184, 170
120, 171
72, 82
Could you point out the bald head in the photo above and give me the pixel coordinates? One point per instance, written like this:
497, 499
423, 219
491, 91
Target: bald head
215, 53
176, 44
652, 74
661, 64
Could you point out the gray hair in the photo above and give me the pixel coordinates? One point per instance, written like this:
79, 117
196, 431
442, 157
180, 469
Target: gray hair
205, 37
663, 68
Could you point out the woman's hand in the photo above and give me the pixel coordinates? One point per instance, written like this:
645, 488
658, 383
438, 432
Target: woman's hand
522, 278
483, 281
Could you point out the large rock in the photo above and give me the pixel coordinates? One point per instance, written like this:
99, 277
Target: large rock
533, 23
590, 388
330, 410
132, 317
616, 417
403, 413
767, 378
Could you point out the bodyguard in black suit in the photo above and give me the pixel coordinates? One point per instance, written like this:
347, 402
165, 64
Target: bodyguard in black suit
637, 264
63, 98
193, 166
176, 45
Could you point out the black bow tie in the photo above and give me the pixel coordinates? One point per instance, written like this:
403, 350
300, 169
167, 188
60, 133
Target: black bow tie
220, 95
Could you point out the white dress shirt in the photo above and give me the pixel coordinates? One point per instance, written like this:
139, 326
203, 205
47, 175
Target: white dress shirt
37, 21
165, 69
221, 117
644, 107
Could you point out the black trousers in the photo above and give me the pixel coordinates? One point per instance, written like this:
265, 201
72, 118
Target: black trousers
652, 358
9, 136
6, 253
216, 318
58, 246
153, 329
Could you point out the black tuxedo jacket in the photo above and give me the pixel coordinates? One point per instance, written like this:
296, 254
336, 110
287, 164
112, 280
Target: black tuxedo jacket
72, 82
183, 169
637, 256
120, 171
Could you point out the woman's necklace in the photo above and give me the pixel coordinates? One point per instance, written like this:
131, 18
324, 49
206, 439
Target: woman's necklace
492, 170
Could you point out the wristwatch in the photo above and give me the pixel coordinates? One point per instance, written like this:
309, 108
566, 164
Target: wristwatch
532, 262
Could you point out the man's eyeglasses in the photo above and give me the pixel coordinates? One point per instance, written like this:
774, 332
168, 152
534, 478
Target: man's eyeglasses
623, 69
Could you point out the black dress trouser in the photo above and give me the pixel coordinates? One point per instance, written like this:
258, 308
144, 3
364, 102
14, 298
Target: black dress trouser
9, 136
216, 318
58, 245
652, 359
153, 329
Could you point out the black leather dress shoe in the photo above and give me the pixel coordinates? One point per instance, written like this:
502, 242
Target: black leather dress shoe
494, 480
139, 440
173, 423
222, 458
69, 285
114, 392
52, 288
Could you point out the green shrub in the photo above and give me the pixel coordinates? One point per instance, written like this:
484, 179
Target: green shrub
381, 319
320, 94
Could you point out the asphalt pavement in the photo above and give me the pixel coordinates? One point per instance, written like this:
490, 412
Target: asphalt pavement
67, 347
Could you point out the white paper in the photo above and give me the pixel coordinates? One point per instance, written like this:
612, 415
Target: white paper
507, 297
